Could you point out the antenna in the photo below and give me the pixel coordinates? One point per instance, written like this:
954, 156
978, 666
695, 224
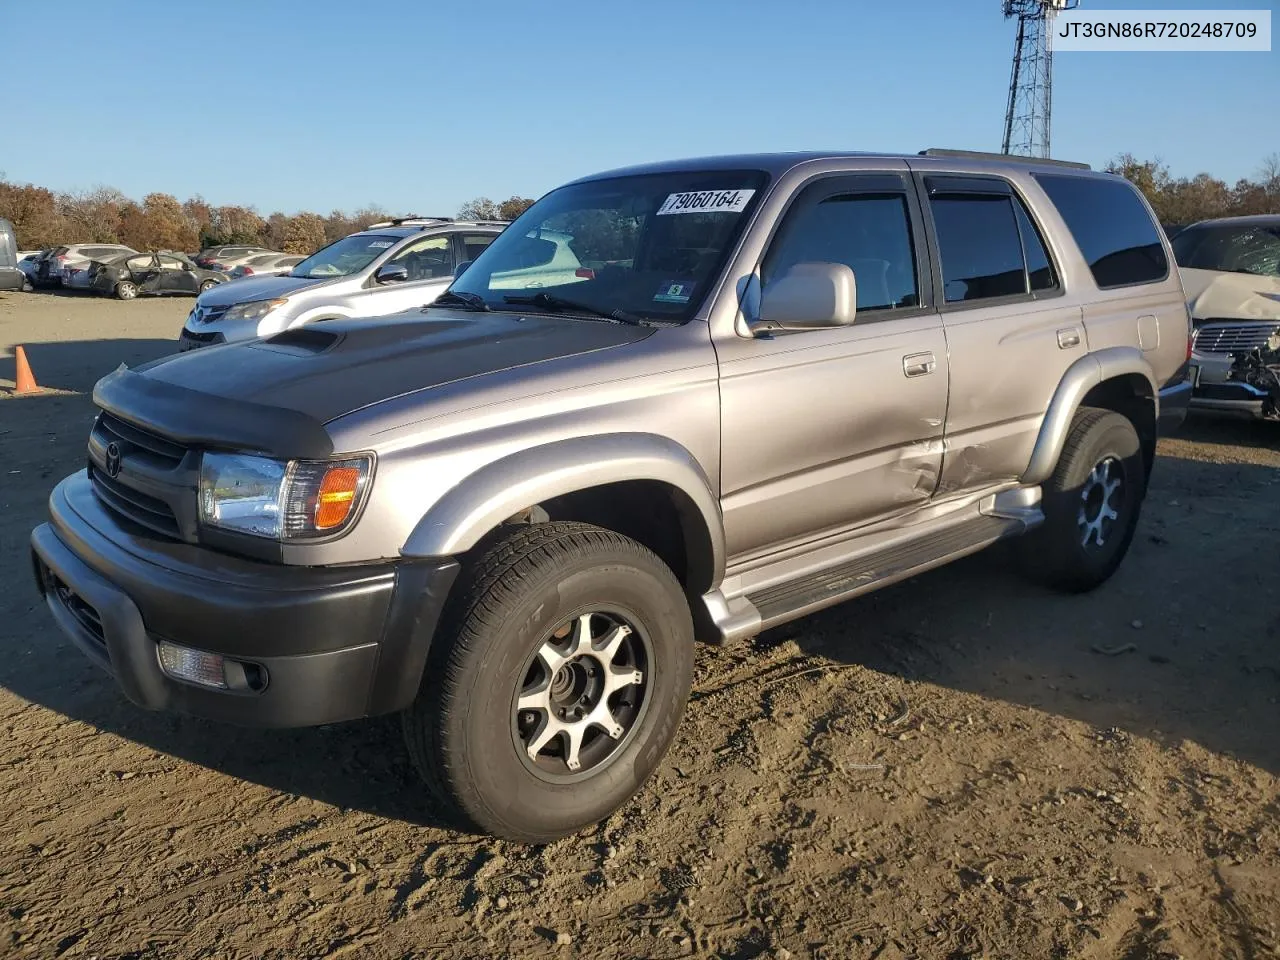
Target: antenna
1028, 116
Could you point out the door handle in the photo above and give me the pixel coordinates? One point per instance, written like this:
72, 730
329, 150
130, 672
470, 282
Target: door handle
1068, 337
918, 364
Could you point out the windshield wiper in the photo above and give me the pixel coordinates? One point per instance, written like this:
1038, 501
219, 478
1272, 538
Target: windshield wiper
549, 301
468, 301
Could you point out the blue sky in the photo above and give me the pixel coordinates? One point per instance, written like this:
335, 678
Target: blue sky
418, 106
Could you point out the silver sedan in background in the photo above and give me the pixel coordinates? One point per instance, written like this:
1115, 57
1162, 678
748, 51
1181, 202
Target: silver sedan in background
266, 265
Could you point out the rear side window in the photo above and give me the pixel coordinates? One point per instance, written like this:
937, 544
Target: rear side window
1112, 228
475, 243
979, 247
1040, 275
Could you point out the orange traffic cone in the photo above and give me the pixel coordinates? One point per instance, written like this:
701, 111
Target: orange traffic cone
25, 382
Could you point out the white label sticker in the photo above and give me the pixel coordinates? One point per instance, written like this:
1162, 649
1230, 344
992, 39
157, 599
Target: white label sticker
706, 201
379, 244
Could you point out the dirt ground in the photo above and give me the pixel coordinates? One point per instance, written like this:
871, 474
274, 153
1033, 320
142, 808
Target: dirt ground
961, 766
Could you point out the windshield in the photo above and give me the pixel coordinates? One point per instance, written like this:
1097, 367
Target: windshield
649, 246
344, 257
1247, 248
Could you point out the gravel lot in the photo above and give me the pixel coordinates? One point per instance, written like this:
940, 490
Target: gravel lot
947, 769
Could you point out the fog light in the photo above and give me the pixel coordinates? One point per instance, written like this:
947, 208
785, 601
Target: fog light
193, 666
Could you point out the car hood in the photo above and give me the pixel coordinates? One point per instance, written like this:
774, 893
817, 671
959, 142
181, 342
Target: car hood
254, 288
1215, 295
275, 395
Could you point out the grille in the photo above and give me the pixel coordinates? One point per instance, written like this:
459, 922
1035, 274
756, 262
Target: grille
209, 314
148, 511
189, 340
113, 428
149, 477
1228, 338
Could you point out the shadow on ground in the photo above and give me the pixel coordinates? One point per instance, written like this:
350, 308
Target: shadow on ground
76, 365
1196, 598
1231, 431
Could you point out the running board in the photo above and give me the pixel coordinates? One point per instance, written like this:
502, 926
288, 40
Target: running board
797, 598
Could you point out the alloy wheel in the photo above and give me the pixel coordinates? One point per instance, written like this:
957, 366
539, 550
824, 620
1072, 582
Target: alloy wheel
1101, 499
583, 692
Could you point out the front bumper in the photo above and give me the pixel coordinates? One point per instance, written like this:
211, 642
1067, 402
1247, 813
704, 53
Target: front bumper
1215, 392
189, 341
333, 643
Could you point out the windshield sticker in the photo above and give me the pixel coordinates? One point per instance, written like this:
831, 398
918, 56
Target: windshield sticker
379, 244
706, 201
674, 291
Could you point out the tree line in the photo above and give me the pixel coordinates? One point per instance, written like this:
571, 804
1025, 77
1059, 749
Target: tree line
43, 218
1179, 201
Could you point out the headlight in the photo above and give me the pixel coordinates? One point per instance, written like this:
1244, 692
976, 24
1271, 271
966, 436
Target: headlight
281, 500
254, 309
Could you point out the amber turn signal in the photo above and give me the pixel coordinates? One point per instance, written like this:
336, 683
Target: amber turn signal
336, 497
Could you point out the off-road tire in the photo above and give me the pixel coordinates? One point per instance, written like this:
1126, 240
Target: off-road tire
460, 730
1055, 554
126, 290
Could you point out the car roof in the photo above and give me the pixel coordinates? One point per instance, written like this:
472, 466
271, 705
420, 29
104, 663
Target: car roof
1253, 220
776, 164
427, 224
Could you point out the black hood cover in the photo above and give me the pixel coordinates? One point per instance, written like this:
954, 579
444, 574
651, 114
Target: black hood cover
275, 395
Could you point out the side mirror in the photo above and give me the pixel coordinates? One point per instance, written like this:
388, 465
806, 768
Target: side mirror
462, 268
393, 273
809, 296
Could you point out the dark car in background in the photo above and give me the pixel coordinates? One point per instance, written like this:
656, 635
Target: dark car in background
151, 274
224, 257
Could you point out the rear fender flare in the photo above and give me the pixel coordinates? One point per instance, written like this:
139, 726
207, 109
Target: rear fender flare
1081, 377
504, 488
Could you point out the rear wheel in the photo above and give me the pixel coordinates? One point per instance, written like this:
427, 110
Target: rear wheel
208, 285
126, 290
1091, 504
556, 683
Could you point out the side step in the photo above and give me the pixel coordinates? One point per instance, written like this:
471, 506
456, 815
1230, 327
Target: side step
797, 598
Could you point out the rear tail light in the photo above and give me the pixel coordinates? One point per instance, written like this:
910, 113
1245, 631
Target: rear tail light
248, 270
586, 273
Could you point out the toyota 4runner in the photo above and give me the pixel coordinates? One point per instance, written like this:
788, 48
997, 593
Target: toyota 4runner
770, 384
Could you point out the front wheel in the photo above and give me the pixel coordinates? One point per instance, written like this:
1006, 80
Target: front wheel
1091, 504
126, 290
556, 683
208, 285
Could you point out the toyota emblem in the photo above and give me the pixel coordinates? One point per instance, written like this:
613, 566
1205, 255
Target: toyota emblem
113, 460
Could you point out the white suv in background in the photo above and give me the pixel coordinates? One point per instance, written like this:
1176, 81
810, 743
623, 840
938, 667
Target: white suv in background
388, 268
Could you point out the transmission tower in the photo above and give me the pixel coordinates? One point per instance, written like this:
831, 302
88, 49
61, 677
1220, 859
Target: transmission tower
1026, 121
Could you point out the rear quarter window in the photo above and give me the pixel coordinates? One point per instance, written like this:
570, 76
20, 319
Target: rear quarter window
1111, 226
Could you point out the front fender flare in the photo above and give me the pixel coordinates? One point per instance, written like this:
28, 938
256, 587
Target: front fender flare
1081, 377
501, 489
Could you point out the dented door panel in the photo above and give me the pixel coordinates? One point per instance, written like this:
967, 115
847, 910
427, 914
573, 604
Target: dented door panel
1006, 362
824, 429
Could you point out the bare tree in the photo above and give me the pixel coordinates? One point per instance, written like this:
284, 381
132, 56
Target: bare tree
481, 208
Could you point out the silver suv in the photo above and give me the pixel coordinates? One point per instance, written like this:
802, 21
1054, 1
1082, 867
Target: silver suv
390, 267
770, 384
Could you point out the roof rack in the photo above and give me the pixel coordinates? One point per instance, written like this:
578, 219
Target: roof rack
406, 221
1006, 157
